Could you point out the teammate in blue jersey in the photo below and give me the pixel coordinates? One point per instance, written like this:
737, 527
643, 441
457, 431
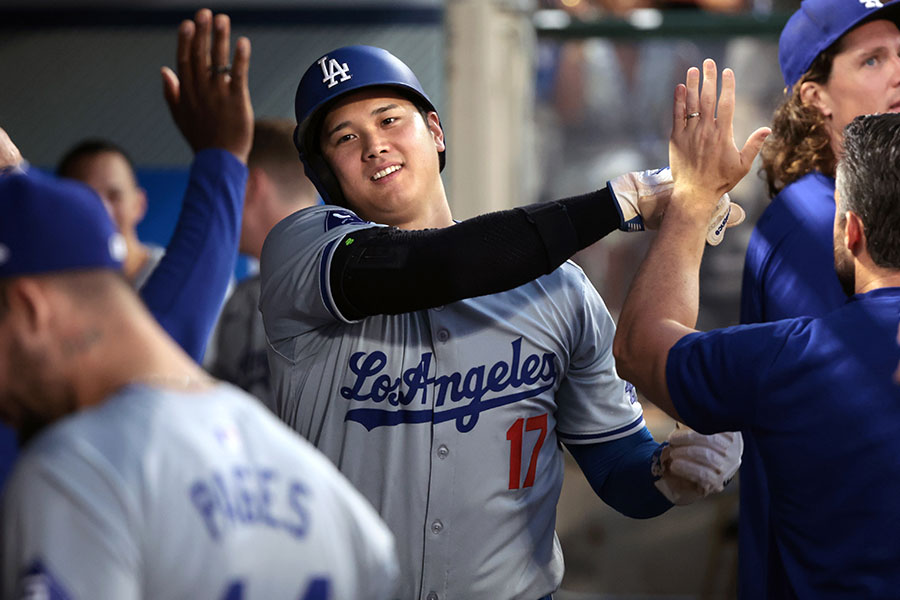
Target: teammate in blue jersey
141, 477
449, 411
186, 289
839, 59
815, 394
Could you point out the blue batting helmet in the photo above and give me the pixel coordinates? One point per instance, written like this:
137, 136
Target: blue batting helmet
335, 74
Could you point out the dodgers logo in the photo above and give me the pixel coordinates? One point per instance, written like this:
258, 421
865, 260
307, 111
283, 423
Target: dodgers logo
332, 69
871, 3
337, 218
459, 397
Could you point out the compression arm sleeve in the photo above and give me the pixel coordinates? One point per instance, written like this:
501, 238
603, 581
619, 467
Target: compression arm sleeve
619, 472
186, 289
385, 270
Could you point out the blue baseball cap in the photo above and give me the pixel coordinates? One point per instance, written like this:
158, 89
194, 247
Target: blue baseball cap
50, 225
818, 24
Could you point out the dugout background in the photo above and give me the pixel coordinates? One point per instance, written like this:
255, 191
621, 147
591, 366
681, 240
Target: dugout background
539, 99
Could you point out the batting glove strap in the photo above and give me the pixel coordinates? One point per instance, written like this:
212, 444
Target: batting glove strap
694, 465
640, 197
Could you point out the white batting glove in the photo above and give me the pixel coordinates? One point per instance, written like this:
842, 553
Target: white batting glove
690, 465
642, 196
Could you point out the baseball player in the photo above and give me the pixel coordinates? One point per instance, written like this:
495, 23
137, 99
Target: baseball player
446, 410
185, 290
276, 187
815, 394
142, 477
839, 60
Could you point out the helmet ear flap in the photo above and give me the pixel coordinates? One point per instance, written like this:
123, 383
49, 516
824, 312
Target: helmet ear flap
297, 142
318, 171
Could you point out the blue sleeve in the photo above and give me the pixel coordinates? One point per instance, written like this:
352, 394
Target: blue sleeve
619, 472
186, 290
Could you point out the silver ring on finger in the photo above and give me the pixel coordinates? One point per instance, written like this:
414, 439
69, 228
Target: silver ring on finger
692, 115
220, 69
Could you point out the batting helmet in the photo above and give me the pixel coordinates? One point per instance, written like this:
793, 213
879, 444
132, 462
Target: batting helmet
332, 76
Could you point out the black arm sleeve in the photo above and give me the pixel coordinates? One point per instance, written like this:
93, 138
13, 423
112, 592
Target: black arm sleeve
385, 270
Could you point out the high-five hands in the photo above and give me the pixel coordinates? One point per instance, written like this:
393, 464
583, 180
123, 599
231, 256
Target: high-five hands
642, 197
705, 161
209, 97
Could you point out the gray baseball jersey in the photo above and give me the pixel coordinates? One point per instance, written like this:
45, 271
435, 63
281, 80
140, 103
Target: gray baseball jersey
240, 343
448, 420
156, 494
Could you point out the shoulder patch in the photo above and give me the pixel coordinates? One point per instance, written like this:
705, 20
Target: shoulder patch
38, 582
336, 218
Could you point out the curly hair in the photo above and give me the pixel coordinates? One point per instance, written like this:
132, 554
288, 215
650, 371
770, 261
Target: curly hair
799, 142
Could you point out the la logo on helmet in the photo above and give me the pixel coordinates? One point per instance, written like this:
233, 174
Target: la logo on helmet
867, 3
332, 69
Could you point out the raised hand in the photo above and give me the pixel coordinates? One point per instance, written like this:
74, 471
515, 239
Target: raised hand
209, 98
705, 161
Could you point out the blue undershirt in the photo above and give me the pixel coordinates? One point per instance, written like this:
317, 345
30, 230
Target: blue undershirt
619, 473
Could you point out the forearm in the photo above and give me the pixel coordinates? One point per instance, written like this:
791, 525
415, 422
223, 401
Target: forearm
186, 290
620, 474
391, 271
662, 305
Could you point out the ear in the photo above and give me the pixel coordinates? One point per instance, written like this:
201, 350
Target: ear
437, 133
814, 94
854, 233
29, 300
258, 186
141, 205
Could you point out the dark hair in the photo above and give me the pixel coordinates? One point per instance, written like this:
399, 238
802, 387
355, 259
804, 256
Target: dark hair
799, 143
86, 149
868, 183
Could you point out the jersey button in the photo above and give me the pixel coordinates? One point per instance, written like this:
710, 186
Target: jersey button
443, 335
431, 596
436, 528
439, 308
443, 451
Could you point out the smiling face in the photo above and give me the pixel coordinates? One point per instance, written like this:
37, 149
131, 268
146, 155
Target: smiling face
864, 79
384, 154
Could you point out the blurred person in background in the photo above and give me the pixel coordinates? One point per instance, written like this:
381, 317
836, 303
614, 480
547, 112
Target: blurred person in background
106, 168
276, 187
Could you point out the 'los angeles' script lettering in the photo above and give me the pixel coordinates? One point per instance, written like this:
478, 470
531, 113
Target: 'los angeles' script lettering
459, 396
